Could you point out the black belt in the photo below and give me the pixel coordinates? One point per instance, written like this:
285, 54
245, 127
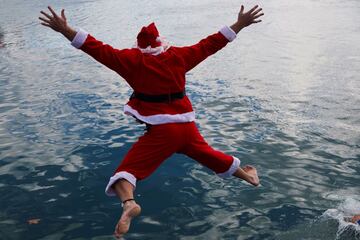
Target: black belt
158, 98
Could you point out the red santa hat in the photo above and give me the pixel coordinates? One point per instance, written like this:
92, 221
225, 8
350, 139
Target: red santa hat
149, 40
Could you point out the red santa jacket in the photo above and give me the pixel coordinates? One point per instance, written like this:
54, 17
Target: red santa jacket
155, 75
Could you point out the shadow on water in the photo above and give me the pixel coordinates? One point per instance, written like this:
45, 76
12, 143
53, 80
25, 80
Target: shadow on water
70, 204
2, 44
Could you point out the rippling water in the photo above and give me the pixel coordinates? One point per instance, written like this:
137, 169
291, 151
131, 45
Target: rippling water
285, 97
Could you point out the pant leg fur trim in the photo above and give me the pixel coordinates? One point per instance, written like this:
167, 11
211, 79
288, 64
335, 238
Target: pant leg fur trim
234, 166
120, 175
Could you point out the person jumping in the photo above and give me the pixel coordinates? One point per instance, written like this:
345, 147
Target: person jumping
156, 73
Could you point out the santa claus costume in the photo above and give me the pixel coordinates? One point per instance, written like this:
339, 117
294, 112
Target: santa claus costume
156, 73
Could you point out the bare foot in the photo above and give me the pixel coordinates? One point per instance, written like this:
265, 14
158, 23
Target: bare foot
131, 209
252, 175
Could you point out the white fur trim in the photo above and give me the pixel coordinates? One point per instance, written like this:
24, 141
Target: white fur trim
156, 50
120, 175
228, 33
153, 51
161, 118
234, 166
79, 38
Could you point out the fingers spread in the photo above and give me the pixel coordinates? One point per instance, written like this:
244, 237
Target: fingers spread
45, 24
253, 9
257, 16
242, 9
52, 11
45, 14
63, 14
44, 20
257, 11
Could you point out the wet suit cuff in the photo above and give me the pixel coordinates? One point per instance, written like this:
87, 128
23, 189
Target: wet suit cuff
79, 38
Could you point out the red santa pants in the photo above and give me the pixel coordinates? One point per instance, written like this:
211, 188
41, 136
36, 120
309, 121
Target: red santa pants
161, 141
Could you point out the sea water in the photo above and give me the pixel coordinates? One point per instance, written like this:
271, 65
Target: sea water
284, 97
346, 210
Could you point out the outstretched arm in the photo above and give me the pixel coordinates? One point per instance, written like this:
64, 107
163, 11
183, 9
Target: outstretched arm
121, 61
193, 55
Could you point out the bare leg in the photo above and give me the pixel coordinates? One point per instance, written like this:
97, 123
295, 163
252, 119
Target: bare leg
249, 174
125, 191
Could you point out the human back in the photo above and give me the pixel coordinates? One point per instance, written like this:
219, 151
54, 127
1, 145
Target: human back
160, 74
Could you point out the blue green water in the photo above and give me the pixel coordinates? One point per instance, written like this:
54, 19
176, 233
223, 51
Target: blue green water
284, 97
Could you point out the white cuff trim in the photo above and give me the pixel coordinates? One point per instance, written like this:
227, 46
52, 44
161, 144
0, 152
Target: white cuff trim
234, 166
79, 38
120, 175
161, 118
228, 33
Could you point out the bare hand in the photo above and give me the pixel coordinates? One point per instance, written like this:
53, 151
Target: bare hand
250, 17
57, 23
53, 21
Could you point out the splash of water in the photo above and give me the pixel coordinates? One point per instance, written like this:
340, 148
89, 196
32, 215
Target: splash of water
345, 210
